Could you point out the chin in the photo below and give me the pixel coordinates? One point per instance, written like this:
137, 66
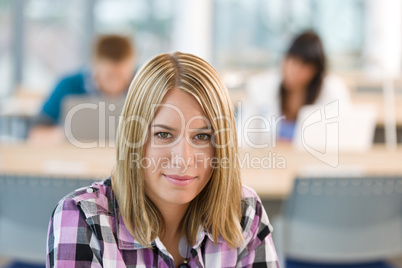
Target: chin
180, 199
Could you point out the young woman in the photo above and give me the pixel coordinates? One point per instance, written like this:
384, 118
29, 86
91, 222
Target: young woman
302, 81
175, 198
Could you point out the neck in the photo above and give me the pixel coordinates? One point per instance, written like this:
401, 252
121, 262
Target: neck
172, 216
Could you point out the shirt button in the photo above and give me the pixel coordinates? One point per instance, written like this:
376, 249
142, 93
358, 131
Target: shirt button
90, 190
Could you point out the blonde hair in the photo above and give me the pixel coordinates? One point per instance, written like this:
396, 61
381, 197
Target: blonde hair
217, 208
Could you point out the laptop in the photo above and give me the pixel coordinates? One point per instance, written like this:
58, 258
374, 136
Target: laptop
89, 119
330, 129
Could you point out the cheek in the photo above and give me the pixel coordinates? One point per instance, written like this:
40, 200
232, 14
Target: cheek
152, 165
123, 73
291, 72
128, 74
206, 161
286, 69
155, 158
306, 74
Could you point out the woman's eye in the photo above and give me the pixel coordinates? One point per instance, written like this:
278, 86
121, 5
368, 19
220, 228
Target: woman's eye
164, 135
202, 136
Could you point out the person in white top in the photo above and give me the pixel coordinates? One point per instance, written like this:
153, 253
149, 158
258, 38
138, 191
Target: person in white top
302, 81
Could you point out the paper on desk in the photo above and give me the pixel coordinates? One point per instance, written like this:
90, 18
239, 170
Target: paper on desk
64, 167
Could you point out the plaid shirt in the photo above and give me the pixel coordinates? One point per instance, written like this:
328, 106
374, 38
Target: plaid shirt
85, 231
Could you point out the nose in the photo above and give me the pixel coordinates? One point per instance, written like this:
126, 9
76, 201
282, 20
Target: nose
183, 154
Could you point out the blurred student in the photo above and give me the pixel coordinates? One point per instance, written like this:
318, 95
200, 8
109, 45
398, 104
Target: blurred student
303, 80
109, 75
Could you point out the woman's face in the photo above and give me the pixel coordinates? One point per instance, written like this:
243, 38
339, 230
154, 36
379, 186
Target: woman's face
296, 73
178, 152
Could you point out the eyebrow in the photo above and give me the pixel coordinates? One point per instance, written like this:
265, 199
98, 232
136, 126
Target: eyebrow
173, 129
164, 126
202, 128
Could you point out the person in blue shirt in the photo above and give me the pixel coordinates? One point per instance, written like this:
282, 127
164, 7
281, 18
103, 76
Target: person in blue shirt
109, 75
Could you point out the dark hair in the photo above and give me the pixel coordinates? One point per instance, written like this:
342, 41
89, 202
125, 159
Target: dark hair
113, 47
308, 48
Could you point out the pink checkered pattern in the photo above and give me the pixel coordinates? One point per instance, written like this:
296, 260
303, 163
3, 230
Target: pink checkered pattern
85, 231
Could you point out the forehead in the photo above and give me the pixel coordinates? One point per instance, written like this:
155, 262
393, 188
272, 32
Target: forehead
108, 63
179, 105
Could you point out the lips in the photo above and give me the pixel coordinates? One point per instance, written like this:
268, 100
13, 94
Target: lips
179, 180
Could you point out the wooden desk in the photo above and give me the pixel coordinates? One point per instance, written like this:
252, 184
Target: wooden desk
277, 182
56, 160
270, 182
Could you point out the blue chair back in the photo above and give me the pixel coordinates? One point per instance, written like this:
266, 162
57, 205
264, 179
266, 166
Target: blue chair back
343, 220
26, 204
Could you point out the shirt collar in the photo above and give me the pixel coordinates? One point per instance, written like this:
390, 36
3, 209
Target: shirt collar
127, 242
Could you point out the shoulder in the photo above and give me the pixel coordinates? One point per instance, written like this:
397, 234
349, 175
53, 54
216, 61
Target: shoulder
73, 228
92, 200
248, 192
254, 216
334, 88
71, 84
74, 77
331, 81
251, 202
258, 249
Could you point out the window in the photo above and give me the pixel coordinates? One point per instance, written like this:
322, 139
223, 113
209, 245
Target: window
255, 33
148, 21
53, 34
56, 36
5, 47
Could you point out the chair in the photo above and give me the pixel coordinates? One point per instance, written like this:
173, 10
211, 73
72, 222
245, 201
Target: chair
26, 204
341, 220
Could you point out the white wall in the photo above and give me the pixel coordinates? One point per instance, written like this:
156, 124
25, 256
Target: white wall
192, 31
383, 44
